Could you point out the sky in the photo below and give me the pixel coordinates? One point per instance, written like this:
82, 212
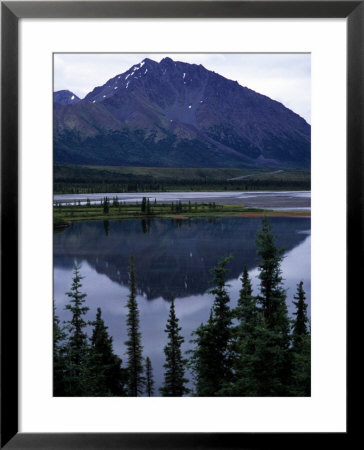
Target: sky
281, 76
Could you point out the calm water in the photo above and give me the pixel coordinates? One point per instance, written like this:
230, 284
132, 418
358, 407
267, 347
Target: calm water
173, 260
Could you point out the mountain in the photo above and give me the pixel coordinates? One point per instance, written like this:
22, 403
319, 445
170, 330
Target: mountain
175, 114
65, 98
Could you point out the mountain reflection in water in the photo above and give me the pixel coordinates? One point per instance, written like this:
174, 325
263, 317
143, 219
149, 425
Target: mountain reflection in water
173, 258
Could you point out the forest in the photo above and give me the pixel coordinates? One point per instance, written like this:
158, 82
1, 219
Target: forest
253, 350
74, 179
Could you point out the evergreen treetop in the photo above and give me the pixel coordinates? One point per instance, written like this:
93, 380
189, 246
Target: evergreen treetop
59, 355
149, 384
272, 296
301, 347
246, 310
221, 313
300, 324
274, 340
174, 380
211, 360
77, 350
134, 351
77, 324
108, 376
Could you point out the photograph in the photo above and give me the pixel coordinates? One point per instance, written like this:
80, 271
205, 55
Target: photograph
181, 225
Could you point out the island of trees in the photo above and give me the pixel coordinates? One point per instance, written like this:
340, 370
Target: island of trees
114, 209
253, 350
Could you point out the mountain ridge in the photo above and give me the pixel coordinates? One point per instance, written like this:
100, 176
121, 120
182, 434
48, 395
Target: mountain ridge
65, 97
176, 114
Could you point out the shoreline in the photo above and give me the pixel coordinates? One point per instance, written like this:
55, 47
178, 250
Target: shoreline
184, 206
181, 216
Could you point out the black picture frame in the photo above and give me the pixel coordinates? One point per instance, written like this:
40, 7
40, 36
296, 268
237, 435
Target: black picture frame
11, 12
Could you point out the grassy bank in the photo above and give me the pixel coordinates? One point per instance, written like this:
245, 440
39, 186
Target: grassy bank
65, 214
73, 179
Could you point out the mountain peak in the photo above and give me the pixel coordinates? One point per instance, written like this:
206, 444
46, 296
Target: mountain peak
149, 61
177, 114
65, 97
167, 60
167, 64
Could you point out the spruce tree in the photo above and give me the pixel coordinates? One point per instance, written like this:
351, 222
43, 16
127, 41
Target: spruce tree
134, 351
202, 360
106, 205
149, 384
273, 356
301, 347
300, 325
222, 320
77, 344
107, 374
59, 356
246, 309
246, 335
174, 379
212, 357
270, 276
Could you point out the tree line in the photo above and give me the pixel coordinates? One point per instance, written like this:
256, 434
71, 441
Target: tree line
254, 349
74, 186
145, 206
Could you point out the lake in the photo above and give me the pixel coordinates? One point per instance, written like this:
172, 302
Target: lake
173, 259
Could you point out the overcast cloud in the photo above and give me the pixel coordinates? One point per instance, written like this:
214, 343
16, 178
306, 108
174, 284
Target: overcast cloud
282, 77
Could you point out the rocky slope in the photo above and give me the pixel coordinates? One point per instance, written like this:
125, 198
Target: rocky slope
175, 114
